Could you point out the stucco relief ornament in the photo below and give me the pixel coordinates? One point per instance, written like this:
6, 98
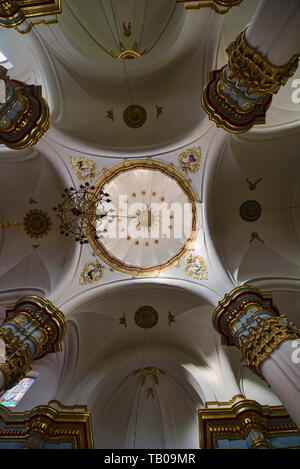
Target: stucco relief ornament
189, 160
149, 371
84, 168
37, 223
92, 272
195, 267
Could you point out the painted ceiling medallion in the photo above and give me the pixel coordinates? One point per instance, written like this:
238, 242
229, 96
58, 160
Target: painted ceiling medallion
37, 223
92, 272
154, 217
146, 317
189, 160
195, 267
85, 169
135, 116
250, 210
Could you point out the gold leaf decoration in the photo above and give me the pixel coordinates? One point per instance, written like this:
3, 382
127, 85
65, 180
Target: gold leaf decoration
195, 267
84, 168
92, 272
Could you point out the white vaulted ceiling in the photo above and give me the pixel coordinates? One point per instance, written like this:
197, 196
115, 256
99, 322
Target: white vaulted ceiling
276, 252
83, 84
30, 182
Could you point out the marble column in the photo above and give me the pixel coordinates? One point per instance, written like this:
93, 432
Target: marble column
248, 319
260, 61
33, 328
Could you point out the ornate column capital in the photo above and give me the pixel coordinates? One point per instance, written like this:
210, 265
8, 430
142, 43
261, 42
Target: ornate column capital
237, 96
15, 12
24, 116
233, 312
248, 319
251, 70
33, 327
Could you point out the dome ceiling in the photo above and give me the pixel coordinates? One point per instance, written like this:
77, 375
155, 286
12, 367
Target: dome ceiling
98, 34
78, 76
155, 217
120, 29
164, 81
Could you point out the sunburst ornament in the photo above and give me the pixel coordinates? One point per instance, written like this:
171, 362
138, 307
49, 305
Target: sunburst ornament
128, 53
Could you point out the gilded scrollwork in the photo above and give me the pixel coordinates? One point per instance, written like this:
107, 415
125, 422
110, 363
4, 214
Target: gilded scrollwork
195, 267
17, 366
189, 160
246, 424
92, 272
85, 169
18, 358
47, 426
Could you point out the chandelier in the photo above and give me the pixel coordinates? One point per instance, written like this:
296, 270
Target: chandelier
80, 210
